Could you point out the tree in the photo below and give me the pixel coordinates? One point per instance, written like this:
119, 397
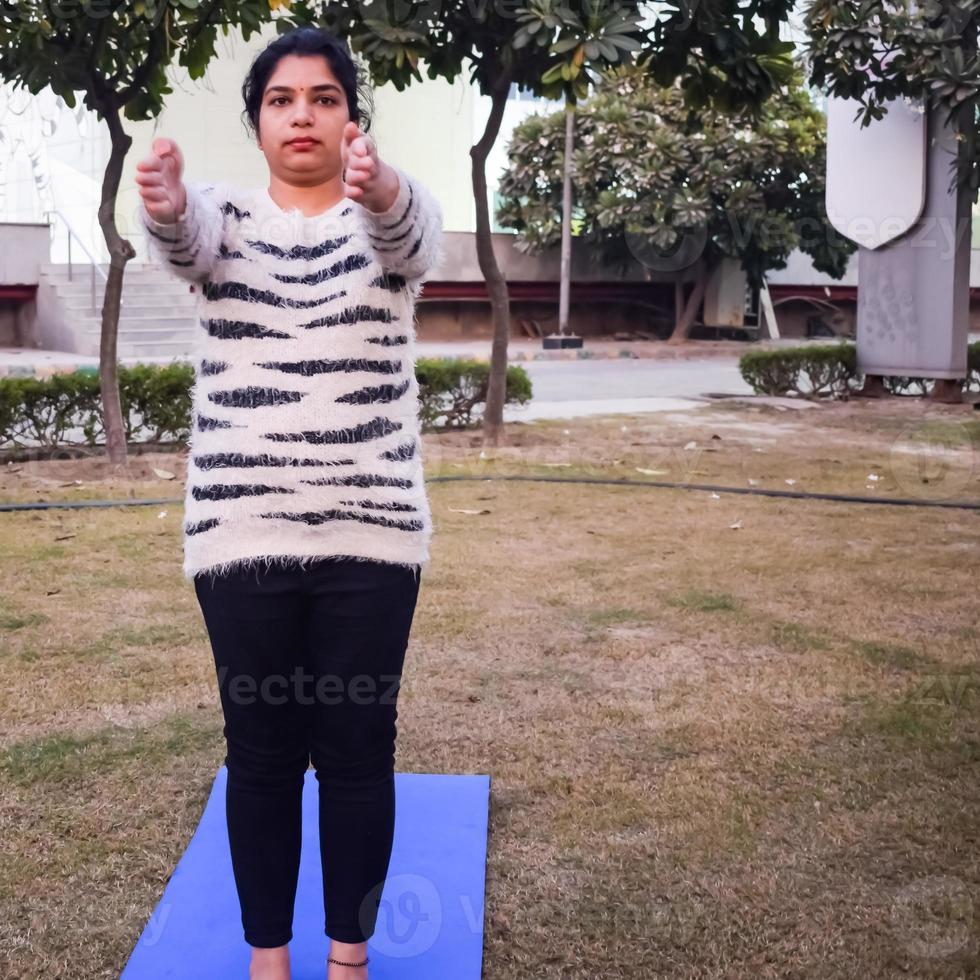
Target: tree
651, 175
116, 54
736, 59
606, 37
875, 51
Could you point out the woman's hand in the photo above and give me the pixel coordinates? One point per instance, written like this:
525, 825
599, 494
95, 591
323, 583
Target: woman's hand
159, 179
367, 179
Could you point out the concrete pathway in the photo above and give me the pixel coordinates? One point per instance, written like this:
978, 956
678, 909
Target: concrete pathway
570, 389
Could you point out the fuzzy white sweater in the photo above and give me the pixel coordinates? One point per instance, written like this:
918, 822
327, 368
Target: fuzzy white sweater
305, 439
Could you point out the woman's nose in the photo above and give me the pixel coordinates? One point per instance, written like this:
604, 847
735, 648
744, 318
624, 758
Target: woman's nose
302, 111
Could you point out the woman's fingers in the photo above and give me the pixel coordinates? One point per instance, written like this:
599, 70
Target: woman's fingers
356, 178
150, 184
360, 175
361, 165
149, 178
158, 177
359, 158
363, 146
355, 144
169, 153
351, 132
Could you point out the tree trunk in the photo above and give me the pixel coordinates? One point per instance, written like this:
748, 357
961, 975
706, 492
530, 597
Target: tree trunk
120, 252
684, 318
678, 303
493, 415
566, 220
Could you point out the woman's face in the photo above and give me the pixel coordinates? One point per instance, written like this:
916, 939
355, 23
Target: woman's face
303, 99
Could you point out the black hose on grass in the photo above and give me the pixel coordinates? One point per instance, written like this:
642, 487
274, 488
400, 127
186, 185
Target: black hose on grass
797, 494
752, 491
76, 504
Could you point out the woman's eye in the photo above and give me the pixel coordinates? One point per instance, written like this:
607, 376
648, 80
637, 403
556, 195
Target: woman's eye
282, 98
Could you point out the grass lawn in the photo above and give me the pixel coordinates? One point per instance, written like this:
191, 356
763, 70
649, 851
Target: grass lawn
732, 736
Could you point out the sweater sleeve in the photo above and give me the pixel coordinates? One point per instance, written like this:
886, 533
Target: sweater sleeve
189, 246
407, 238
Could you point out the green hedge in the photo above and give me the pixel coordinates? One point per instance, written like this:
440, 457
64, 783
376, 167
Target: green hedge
156, 402
451, 389
830, 370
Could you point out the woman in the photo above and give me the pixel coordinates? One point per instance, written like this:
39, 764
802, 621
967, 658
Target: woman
306, 517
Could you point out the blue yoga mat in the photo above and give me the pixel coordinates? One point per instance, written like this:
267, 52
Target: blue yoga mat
430, 920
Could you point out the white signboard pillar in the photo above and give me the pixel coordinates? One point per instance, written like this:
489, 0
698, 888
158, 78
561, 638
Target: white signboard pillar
888, 189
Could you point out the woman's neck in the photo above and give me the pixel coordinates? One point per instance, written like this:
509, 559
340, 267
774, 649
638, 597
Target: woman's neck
311, 200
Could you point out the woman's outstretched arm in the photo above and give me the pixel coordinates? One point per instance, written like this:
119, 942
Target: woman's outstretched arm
188, 247
407, 238
184, 223
402, 219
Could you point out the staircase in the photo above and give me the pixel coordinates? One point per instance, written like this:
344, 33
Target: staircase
157, 319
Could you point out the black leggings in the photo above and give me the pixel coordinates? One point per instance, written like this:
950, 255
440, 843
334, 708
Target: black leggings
309, 661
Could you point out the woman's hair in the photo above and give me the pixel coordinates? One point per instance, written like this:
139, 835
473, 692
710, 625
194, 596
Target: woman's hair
352, 75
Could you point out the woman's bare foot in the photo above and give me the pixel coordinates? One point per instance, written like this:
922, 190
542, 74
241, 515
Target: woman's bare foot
349, 953
270, 963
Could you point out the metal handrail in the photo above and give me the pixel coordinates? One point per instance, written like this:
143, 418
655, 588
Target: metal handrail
95, 267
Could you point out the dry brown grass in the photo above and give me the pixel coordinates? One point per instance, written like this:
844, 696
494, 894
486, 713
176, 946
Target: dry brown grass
714, 752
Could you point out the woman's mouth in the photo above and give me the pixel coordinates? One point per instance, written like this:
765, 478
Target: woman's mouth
302, 144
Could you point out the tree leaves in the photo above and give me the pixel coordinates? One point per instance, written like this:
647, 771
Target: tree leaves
121, 56
647, 169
